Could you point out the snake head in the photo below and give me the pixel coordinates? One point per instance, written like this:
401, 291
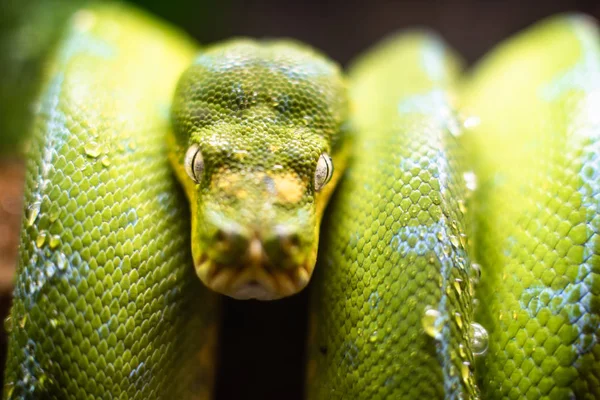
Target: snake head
257, 131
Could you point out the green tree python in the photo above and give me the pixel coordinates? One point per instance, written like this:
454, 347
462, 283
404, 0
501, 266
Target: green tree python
466, 207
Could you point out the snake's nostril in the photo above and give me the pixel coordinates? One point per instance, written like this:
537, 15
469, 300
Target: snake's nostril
293, 240
226, 242
284, 247
291, 244
221, 236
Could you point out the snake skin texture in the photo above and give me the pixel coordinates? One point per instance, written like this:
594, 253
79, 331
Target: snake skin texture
261, 113
395, 242
536, 153
106, 305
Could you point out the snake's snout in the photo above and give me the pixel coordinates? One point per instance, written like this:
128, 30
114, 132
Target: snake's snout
263, 262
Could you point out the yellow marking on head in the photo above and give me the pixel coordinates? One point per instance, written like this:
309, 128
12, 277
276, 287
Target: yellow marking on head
240, 155
230, 183
288, 188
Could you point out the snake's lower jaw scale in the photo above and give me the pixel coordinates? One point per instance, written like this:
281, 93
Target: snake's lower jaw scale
253, 281
252, 290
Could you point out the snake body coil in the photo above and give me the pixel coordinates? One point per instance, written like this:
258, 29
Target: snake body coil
396, 239
107, 304
536, 154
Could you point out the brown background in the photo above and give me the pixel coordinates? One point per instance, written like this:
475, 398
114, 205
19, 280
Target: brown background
261, 353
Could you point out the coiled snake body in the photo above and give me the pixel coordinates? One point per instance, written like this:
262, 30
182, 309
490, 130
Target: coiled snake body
107, 304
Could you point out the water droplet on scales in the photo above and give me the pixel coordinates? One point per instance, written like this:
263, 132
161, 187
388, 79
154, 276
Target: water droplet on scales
41, 239
374, 337
470, 180
92, 149
479, 339
471, 122
8, 324
54, 241
32, 212
464, 370
432, 323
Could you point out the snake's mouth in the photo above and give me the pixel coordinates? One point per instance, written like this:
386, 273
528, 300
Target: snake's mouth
254, 281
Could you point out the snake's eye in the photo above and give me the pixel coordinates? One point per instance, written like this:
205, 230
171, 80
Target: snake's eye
324, 171
194, 163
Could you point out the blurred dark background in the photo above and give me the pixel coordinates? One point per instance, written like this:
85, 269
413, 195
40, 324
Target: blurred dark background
261, 352
343, 28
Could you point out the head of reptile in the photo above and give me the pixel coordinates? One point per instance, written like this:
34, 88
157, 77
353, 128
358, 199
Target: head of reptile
257, 131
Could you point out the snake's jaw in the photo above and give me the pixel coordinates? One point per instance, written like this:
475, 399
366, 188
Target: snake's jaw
262, 251
258, 258
254, 277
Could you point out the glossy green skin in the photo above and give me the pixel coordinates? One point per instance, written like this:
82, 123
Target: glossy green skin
395, 240
537, 159
261, 113
108, 306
